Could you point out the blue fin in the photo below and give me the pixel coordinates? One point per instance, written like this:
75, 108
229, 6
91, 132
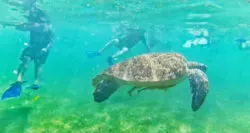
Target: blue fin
241, 40
92, 54
34, 87
13, 91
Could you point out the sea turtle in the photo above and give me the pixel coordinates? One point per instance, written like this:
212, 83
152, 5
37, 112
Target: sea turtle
153, 71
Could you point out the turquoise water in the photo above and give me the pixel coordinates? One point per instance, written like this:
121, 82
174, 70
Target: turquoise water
65, 103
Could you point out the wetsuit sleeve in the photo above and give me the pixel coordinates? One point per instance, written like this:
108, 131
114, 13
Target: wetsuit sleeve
22, 3
29, 27
51, 40
22, 27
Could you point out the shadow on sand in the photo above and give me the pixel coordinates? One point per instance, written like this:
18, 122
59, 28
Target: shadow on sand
14, 120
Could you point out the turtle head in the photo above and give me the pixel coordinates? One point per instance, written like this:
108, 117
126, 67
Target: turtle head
104, 90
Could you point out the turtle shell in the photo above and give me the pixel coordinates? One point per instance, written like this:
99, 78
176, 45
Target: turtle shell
154, 67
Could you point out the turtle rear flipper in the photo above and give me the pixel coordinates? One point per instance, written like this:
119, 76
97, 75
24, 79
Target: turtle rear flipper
199, 85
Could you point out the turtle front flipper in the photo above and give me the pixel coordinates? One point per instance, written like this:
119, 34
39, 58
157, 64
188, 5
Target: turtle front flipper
199, 85
197, 65
105, 89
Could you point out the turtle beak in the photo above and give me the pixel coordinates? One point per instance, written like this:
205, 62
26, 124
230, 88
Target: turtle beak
104, 90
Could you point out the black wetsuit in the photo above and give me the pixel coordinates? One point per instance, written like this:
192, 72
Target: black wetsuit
38, 41
37, 15
40, 37
132, 38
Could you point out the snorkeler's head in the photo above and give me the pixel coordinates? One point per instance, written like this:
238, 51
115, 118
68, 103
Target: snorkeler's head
27, 4
104, 90
37, 15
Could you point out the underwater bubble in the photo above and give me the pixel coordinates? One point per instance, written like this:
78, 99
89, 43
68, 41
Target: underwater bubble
187, 44
25, 44
15, 72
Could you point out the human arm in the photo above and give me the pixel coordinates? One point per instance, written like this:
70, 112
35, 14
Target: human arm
35, 27
25, 26
7, 24
114, 41
17, 3
51, 41
26, 4
21, 27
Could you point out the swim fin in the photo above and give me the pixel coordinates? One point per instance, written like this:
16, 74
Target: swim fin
241, 40
92, 54
13, 91
34, 87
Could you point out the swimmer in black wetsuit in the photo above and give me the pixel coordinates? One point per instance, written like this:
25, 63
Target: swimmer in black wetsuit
41, 40
124, 43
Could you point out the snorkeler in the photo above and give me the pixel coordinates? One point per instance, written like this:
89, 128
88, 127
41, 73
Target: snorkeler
41, 39
126, 42
243, 44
